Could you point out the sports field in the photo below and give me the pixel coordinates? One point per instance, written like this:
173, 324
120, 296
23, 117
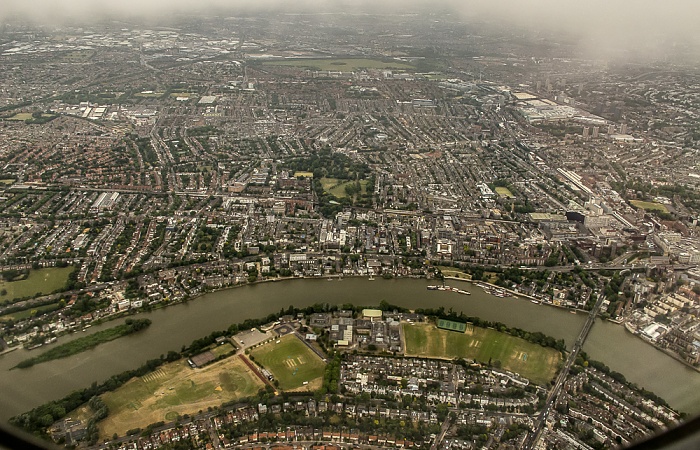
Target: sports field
42, 281
649, 206
340, 65
504, 192
176, 389
537, 363
292, 363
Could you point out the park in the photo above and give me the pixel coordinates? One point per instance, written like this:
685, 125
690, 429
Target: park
343, 188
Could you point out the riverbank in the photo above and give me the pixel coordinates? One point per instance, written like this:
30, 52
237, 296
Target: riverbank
616, 322
341, 277
9, 350
180, 324
518, 294
658, 347
488, 288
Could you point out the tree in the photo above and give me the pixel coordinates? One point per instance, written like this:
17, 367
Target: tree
46, 420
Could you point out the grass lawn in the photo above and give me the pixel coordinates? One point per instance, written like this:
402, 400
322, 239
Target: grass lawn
42, 281
223, 349
336, 187
21, 117
452, 272
490, 277
292, 363
303, 174
329, 183
341, 65
504, 192
175, 389
537, 363
649, 206
7, 181
78, 55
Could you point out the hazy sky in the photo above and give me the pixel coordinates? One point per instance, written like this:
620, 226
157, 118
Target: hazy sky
639, 24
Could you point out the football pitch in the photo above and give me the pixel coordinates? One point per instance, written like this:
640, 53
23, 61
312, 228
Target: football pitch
537, 363
176, 389
292, 363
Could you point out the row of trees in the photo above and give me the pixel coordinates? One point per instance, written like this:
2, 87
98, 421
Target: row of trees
99, 412
331, 376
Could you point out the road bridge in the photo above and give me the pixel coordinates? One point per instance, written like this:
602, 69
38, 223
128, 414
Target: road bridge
541, 419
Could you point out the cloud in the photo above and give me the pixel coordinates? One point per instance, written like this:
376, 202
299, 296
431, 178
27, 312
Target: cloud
603, 27
640, 25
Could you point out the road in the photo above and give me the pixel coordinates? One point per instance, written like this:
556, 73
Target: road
443, 430
536, 433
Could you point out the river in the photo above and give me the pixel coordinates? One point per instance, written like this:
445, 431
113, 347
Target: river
179, 325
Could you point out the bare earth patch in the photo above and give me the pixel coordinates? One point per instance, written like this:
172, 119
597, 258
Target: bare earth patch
176, 389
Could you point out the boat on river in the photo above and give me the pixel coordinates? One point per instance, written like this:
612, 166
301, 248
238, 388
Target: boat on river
449, 289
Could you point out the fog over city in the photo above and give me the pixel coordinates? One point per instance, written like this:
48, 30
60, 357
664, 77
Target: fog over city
640, 26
